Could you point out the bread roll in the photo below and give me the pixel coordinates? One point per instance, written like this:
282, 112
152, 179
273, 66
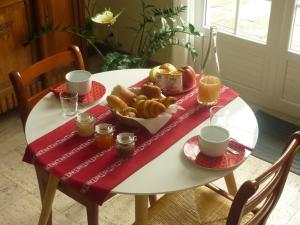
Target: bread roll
116, 103
125, 94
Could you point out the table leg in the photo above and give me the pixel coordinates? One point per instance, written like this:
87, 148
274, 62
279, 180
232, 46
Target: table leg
48, 199
141, 209
231, 184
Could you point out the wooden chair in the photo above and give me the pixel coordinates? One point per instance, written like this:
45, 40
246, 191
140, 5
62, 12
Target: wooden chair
210, 205
20, 82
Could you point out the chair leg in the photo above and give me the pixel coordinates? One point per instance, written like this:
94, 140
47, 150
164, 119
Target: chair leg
92, 214
152, 199
42, 187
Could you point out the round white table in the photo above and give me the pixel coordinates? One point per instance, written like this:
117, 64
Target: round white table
170, 171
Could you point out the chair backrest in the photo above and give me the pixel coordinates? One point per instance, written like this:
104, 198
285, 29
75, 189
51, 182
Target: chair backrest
262, 194
20, 80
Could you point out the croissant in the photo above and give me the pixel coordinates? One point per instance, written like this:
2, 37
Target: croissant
151, 91
149, 108
141, 97
168, 101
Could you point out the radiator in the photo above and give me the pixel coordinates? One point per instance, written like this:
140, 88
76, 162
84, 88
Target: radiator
7, 99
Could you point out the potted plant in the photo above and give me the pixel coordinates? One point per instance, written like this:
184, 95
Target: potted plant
158, 29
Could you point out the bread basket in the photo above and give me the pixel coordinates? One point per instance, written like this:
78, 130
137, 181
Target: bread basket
126, 120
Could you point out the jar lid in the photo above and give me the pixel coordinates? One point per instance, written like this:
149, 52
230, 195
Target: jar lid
126, 138
85, 117
104, 128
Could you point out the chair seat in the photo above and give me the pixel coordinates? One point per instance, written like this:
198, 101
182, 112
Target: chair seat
197, 206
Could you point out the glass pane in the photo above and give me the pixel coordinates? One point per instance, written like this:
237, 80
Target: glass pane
254, 19
295, 43
221, 13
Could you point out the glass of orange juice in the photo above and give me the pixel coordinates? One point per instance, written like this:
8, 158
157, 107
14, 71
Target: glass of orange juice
209, 90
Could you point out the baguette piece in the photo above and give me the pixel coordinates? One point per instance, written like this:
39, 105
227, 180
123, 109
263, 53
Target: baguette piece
116, 103
125, 94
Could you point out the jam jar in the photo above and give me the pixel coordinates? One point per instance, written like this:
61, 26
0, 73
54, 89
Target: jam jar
104, 135
174, 82
125, 144
85, 124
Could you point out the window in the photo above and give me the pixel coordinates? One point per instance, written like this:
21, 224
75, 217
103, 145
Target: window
295, 39
244, 18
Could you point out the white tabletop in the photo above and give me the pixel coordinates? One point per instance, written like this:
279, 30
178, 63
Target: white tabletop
170, 171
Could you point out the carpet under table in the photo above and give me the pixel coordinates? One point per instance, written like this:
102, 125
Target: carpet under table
273, 136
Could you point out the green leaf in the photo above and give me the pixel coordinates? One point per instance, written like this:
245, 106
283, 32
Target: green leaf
164, 24
169, 12
192, 28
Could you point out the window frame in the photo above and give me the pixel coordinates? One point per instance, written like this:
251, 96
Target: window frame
236, 23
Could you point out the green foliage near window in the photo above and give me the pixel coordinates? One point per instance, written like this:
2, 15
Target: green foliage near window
158, 29
117, 60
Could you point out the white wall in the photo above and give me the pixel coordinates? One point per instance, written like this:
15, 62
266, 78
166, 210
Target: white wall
130, 17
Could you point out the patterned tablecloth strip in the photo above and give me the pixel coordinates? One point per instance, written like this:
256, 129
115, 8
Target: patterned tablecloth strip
78, 162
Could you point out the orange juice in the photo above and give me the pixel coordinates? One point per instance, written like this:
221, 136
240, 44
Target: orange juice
209, 90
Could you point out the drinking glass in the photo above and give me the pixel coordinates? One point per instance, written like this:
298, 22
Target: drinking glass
209, 90
69, 103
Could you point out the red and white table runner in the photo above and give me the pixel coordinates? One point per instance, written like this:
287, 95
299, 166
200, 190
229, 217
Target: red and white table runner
78, 162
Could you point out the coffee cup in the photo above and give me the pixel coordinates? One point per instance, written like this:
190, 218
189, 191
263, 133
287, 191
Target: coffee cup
78, 81
213, 140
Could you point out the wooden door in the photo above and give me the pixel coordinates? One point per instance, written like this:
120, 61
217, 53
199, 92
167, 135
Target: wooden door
259, 50
244, 53
14, 28
286, 89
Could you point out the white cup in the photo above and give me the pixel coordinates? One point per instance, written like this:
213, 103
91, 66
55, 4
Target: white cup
213, 140
79, 81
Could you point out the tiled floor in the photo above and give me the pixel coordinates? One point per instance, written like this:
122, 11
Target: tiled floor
20, 202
